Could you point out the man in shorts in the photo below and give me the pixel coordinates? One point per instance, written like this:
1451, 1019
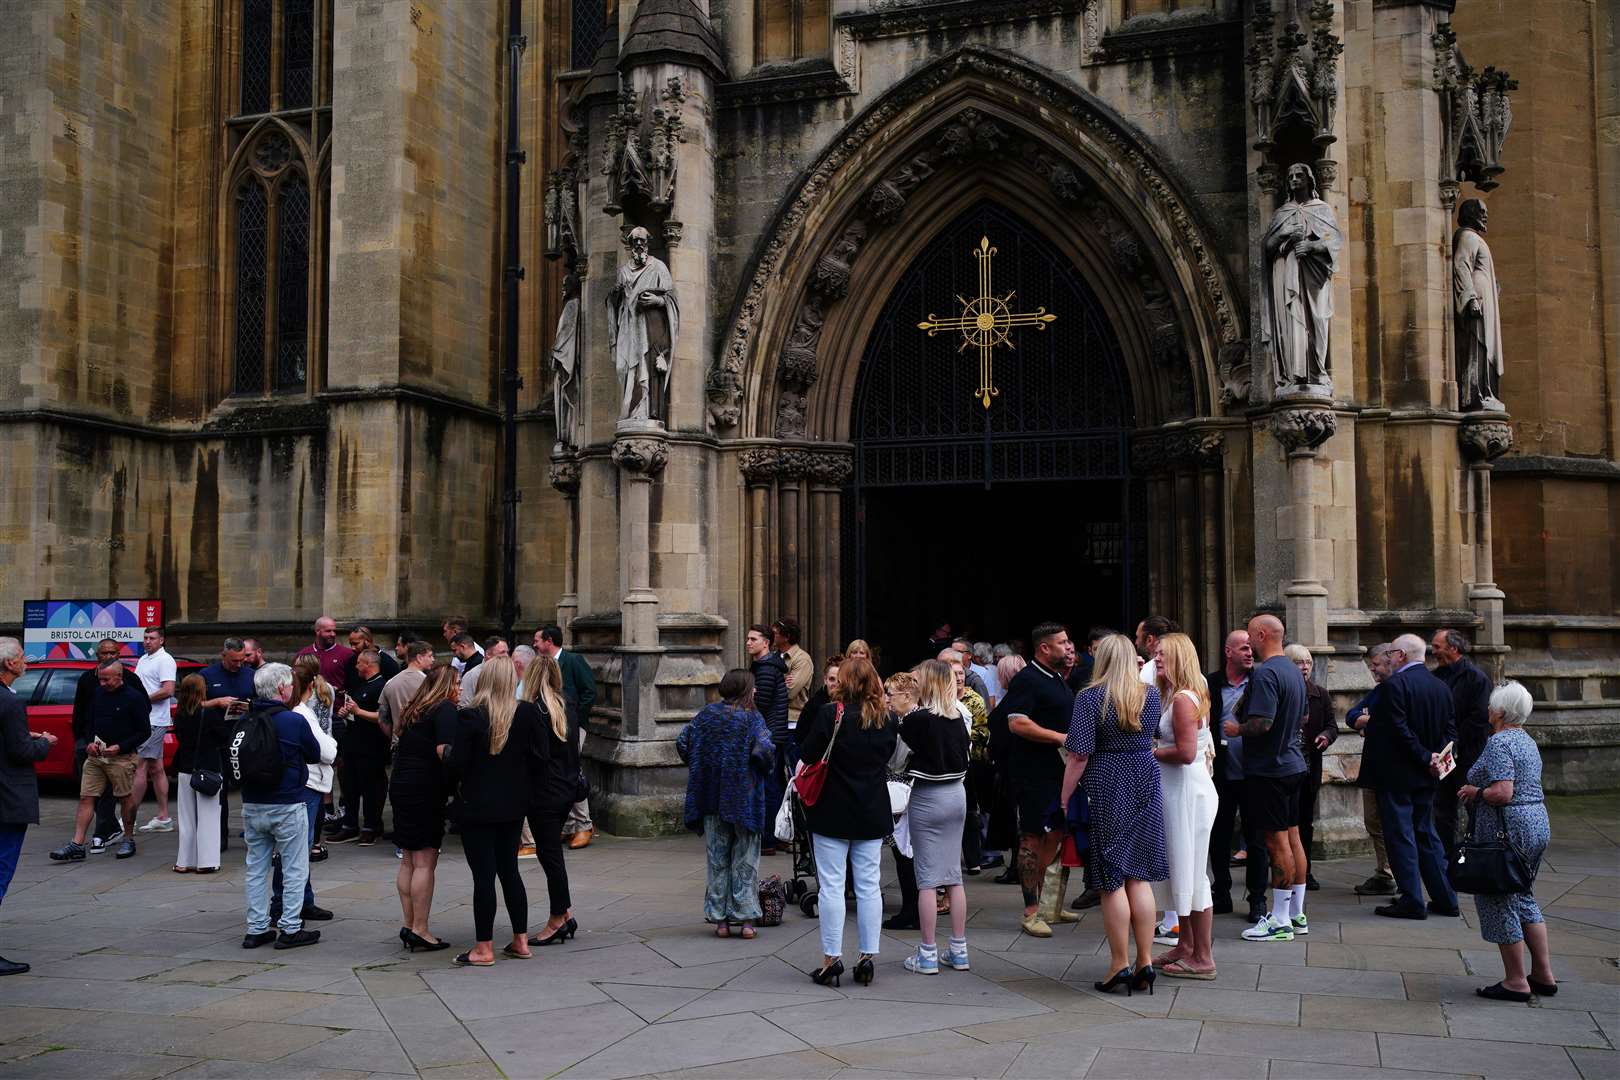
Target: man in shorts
119, 724
1038, 706
156, 670
1272, 708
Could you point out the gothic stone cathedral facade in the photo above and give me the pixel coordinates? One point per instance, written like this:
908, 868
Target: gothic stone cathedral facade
865, 312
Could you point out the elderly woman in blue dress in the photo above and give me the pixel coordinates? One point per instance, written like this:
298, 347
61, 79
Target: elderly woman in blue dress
1507, 781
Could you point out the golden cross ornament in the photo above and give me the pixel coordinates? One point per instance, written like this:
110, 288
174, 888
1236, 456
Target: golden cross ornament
985, 321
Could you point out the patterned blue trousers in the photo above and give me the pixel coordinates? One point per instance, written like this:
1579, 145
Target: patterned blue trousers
733, 893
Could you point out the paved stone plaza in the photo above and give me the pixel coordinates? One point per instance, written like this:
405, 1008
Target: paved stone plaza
139, 973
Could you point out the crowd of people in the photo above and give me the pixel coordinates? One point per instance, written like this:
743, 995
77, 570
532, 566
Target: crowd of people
1123, 759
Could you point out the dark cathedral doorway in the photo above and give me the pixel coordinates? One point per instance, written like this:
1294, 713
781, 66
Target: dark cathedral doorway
994, 519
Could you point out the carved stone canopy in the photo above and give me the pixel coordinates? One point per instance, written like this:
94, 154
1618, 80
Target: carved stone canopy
1293, 79
641, 454
639, 153
1485, 436
1474, 115
1303, 429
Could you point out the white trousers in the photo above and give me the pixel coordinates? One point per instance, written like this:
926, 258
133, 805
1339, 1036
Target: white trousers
199, 826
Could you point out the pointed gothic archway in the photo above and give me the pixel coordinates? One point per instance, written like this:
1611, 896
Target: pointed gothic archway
977, 126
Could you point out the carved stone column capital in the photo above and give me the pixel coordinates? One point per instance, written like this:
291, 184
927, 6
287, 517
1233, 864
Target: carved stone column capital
830, 469
1485, 436
1149, 454
645, 454
1303, 429
565, 475
794, 464
1205, 449
760, 464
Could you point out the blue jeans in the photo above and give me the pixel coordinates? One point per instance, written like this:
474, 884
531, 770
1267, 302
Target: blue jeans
863, 856
11, 842
733, 887
313, 809
1416, 856
787, 756
283, 830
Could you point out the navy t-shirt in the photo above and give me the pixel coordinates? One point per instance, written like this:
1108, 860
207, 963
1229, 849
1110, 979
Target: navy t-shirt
1276, 689
222, 683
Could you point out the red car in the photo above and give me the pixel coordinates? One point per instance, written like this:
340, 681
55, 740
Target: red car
47, 688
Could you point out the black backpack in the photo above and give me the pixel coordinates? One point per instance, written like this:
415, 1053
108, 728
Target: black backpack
253, 750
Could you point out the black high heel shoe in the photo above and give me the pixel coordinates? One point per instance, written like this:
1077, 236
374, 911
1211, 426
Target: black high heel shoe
1143, 979
404, 935
828, 974
1122, 977
557, 936
414, 941
864, 971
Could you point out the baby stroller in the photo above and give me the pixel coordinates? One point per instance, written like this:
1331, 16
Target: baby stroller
804, 859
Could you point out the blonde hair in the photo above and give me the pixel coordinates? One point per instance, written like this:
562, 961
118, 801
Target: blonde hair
1115, 657
936, 687
497, 697
542, 684
902, 682
307, 674
1178, 671
860, 646
1007, 667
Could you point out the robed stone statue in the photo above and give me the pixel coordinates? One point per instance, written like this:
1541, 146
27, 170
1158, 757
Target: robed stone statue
1476, 304
565, 366
1302, 254
644, 321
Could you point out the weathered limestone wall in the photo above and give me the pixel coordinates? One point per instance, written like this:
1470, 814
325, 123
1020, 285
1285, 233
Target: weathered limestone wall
87, 165
103, 513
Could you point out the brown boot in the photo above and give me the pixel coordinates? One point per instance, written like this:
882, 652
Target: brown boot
581, 839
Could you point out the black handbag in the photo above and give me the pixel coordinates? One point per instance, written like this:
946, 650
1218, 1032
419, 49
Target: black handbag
1490, 867
205, 782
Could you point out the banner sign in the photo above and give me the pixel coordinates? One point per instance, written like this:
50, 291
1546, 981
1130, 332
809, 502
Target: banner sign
71, 629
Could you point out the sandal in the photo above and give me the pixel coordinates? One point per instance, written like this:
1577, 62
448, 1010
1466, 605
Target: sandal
183, 870
206, 870
1178, 969
514, 954
1541, 988
465, 960
748, 931
722, 930
1498, 992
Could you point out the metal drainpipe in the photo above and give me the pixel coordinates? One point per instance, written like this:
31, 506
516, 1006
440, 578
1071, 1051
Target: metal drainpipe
511, 380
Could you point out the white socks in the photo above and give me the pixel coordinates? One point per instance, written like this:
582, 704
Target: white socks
1282, 904
1299, 901
958, 945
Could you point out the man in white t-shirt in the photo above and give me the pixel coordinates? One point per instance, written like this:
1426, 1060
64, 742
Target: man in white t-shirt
156, 671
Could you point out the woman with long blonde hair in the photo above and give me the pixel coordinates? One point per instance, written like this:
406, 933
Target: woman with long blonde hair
1112, 753
313, 691
555, 790
492, 758
423, 734
312, 699
852, 816
1185, 749
938, 741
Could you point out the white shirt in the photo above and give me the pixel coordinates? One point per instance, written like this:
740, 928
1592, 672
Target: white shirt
320, 775
155, 669
461, 665
1150, 672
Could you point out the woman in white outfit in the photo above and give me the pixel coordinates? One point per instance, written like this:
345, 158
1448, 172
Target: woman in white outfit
1185, 750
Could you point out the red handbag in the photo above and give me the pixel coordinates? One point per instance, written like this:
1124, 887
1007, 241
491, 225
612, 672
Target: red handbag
812, 778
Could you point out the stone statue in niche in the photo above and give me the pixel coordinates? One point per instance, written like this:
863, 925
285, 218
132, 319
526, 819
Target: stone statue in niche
1302, 254
644, 322
1476, 305
565, 367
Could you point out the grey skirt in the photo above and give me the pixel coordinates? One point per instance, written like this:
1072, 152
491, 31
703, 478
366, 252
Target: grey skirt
935, 814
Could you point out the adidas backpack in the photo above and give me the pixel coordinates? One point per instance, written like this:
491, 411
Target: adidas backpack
253, 751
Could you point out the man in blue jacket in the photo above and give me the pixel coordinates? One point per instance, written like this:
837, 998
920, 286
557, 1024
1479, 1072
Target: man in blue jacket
274, 819
1411, 723
771, 702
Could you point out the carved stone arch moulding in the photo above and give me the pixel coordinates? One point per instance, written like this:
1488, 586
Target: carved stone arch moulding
841, 203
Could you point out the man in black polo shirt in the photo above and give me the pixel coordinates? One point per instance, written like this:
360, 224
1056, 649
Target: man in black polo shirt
119, 724
1272, 709
230, 687
363, 752
108, 829
1039, 705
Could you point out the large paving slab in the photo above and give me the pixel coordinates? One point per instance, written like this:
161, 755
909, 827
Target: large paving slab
140, 974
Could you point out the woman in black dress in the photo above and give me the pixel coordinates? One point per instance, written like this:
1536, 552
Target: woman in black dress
422, 736
556, 780
493, 757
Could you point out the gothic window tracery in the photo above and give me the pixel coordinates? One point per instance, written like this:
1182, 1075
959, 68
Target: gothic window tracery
274, 213
587, 29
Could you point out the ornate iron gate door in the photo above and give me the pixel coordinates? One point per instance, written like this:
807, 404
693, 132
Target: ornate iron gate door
1064, 411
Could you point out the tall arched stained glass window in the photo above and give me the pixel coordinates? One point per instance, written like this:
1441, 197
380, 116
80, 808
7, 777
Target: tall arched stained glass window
275, 240
252, 264
258, 44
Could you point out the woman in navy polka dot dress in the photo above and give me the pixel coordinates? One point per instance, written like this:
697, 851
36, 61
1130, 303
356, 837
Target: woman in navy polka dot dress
1112, 756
